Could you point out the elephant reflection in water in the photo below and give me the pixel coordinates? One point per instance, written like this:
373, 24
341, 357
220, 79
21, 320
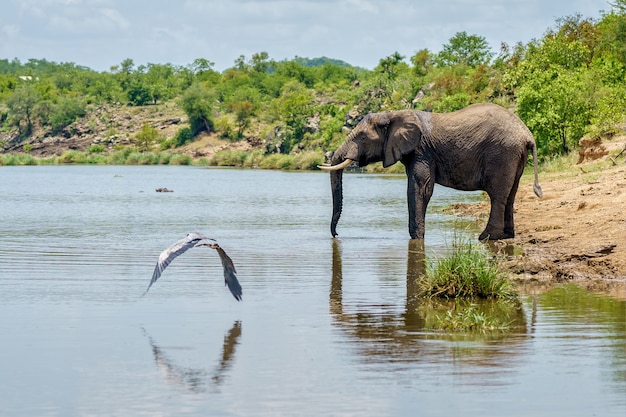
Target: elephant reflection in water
198, 379
383, 333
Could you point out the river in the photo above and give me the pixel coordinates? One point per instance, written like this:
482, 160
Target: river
327, 327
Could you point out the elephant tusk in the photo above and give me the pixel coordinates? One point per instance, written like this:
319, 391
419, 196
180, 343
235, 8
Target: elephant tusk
337, 167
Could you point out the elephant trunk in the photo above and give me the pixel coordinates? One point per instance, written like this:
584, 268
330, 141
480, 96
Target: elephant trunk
342, 158
336, 186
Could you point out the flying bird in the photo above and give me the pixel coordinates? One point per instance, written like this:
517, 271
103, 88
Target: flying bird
193, 240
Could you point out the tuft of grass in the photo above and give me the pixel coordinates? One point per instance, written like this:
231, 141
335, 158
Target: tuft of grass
468, 271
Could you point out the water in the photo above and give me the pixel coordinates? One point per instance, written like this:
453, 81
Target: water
326, 327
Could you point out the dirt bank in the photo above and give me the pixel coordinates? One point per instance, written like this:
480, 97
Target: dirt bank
577, 232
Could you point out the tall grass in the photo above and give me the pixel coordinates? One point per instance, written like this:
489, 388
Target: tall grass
468, 271
17, 159
255, 159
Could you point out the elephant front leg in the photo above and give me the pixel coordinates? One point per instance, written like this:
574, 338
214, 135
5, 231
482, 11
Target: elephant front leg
420, 188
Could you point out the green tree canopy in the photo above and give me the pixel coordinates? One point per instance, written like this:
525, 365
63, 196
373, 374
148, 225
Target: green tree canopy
464, 49
196, 103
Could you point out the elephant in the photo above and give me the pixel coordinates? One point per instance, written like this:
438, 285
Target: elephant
480, 147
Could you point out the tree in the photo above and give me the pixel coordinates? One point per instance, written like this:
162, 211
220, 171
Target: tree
243, 110
294, 106
422, 62
556, 109
146, 137
196, 103
619, 5
392, 65
464, 49
66, 111
260, 62
160, 81
612, 34
21, 104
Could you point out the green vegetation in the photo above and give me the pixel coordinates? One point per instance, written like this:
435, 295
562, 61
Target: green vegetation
467, 272
474, 316
127, 156
569, 83
466, 291
464, 315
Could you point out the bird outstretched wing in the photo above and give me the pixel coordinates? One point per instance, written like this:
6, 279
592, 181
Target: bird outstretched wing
230, 273
171, 253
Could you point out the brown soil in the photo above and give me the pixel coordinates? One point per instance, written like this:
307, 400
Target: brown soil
577, 232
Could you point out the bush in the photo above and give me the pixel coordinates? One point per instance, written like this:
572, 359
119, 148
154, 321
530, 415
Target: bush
65, 112
228, 158
79, 157
253, 159
183, 136
17, 159
180, 159
276, 161
308, 160
72, 157
225, 127
146, 136
97, 148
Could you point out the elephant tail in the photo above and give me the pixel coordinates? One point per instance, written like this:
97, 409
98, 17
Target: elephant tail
536, 187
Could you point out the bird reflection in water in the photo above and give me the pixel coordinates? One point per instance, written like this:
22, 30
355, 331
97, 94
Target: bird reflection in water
386, 332
198, 379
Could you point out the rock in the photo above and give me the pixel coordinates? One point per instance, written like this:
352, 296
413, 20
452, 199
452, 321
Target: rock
312, 124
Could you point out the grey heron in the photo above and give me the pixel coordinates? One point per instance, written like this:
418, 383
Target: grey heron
193, 240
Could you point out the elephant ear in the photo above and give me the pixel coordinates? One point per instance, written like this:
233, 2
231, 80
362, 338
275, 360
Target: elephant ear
403, 136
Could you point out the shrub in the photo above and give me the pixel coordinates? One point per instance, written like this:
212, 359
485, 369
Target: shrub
229, 158
17, 159
225, 127
97, 148
146, 136
180, 159
253, 159
72, 157
65, 112
308, 160
183, 136
276, 161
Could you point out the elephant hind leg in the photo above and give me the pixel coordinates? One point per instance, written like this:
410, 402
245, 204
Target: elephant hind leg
509, 222
495, 225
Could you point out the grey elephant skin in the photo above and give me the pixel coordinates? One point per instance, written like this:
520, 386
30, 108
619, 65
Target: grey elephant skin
481, 147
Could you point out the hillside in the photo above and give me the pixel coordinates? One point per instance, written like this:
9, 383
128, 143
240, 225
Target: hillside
116, 126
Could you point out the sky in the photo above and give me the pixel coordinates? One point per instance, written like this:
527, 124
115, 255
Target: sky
100, 34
